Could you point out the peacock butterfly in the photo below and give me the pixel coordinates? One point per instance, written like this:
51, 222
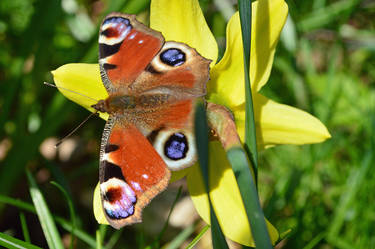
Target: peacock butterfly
153, 86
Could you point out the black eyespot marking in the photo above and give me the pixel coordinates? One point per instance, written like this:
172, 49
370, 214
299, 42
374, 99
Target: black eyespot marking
176, 146
107, 50
110, 147
110, 33
173, 57
108, 66
151, 137
112, 170
151, 69
112, 194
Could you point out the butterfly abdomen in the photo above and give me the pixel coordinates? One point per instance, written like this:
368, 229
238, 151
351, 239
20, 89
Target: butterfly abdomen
115, 104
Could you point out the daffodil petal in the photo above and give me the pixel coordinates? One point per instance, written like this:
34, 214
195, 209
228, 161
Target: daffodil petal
270, 17
227, 77
281, 124
225, 196
98, 208
83, 79
183, 21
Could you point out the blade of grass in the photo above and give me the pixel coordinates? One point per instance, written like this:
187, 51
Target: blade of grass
244, 7
201, 135
237, 156
114, 238
246, 184
71, 211
324, 16
61, 221
12, 243
198, 237
158, 238
218, 239
315, 241
25, 230
357, 176
140, 238
82, 235
180, 238
44, 215
221, 122
17, 203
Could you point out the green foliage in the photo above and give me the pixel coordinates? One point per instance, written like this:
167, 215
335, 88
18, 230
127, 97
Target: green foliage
324, 65
323, 192
46, 221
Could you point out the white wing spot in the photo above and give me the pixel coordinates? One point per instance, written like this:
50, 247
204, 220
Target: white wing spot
136, 186
131, 37
106, 157
140, 41
145, 176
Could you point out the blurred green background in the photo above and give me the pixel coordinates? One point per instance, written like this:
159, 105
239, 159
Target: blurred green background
318, 196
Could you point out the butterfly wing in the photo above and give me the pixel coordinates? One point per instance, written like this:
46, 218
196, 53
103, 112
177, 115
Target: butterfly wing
134, 59
178, 70
141, 145
131, 173
178, 74
126, 47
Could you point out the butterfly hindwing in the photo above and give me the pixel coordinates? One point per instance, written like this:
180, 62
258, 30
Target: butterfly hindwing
171, 133
131, 173
178, 70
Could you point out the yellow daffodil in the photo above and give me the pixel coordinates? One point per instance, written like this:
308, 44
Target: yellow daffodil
183, 21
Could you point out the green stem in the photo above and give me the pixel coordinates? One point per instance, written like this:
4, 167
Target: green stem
250, 131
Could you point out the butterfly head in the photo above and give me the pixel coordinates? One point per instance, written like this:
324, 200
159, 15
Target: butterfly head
101, 106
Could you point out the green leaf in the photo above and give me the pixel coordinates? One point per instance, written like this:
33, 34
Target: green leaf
201, 135
180, 238
45, 217
25, 230
71, 210
329, 14
198, 237
246, 184
237, 156
250, 132
114, 238
12, 243
61, 221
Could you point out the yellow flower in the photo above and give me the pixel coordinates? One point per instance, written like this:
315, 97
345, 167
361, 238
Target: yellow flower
183, 21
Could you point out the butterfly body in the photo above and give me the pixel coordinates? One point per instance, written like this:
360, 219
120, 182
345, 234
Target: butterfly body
123, 104
152, 86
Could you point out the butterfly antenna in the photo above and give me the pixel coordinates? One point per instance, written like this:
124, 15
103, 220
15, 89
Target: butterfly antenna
66, 89
75, 129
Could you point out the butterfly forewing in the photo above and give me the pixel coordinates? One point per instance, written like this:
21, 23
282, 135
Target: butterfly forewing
126, 47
